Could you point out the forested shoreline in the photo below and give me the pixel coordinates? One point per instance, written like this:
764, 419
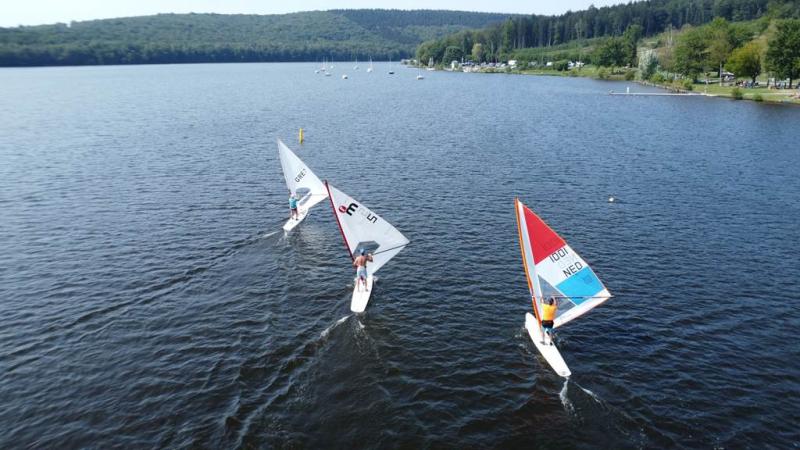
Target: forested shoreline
204, 38
504, 40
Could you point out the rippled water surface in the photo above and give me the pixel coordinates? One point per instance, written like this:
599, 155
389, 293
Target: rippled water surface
149, 298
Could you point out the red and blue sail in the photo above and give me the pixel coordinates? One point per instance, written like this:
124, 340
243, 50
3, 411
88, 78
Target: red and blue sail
547, 256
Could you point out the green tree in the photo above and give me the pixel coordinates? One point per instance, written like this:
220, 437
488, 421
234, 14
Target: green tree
783, 53
719, 43
648, 63
477, 52
691, 53
631, 37
452, 53
613, 52
746, 61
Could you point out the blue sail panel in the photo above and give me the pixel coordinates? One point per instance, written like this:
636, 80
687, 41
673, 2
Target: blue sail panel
580, 286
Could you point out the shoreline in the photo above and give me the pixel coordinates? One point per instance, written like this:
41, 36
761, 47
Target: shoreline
758, 95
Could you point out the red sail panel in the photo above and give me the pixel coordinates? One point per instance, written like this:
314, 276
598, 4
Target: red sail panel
544, 241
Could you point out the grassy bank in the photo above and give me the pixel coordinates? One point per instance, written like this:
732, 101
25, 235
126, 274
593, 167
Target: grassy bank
759, 94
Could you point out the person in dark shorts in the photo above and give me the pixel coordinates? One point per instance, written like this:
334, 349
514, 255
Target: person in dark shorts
548, 315
293, 206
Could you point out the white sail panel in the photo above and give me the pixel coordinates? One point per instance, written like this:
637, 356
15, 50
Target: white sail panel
574, 280
363, 229
300, 180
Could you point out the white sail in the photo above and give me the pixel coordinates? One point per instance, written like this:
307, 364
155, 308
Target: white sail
363, 229
300, 180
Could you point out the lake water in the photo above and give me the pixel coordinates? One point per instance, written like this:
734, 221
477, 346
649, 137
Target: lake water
149, 298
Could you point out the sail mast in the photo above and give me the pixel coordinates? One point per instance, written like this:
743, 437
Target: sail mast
341, 230
533, 283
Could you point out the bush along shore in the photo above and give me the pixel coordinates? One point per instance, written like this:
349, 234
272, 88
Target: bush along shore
762, 90
736, 49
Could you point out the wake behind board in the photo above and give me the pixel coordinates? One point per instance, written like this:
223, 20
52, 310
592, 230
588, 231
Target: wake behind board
549, 352
361, 297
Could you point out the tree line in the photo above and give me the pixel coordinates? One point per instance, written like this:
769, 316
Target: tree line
721, 46
501, 41
190, 38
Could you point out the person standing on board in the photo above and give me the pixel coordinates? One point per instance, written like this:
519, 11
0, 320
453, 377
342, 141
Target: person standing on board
548, 315
360, 263
293, 206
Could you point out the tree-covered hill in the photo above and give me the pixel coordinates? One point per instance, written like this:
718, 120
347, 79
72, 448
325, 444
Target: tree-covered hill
185, 38
503, 40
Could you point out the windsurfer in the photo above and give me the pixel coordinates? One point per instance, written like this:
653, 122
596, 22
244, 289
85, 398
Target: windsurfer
293, 206
360, 263
548, 315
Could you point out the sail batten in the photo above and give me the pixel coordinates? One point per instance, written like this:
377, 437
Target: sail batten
546, 256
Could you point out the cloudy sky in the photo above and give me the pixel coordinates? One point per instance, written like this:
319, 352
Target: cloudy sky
35, 12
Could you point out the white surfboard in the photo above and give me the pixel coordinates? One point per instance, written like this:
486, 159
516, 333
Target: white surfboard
360, 296
292, 222
303, 209
547, 349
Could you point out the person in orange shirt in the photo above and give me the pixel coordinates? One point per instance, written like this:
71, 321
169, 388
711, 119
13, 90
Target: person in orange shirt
548, 315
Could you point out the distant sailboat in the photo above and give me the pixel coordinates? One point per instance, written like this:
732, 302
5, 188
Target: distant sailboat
324, 69
362, 229
546, 256
430, 64
369, 69
391, 72
301, 182
356, 66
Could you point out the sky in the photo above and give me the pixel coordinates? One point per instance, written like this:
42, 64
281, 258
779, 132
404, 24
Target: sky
37, 12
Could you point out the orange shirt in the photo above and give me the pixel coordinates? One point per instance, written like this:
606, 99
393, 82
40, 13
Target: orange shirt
549, 312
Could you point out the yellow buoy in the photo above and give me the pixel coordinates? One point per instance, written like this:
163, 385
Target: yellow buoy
300, 136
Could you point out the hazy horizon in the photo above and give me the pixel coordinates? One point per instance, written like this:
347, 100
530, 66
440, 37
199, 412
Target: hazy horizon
43, 12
